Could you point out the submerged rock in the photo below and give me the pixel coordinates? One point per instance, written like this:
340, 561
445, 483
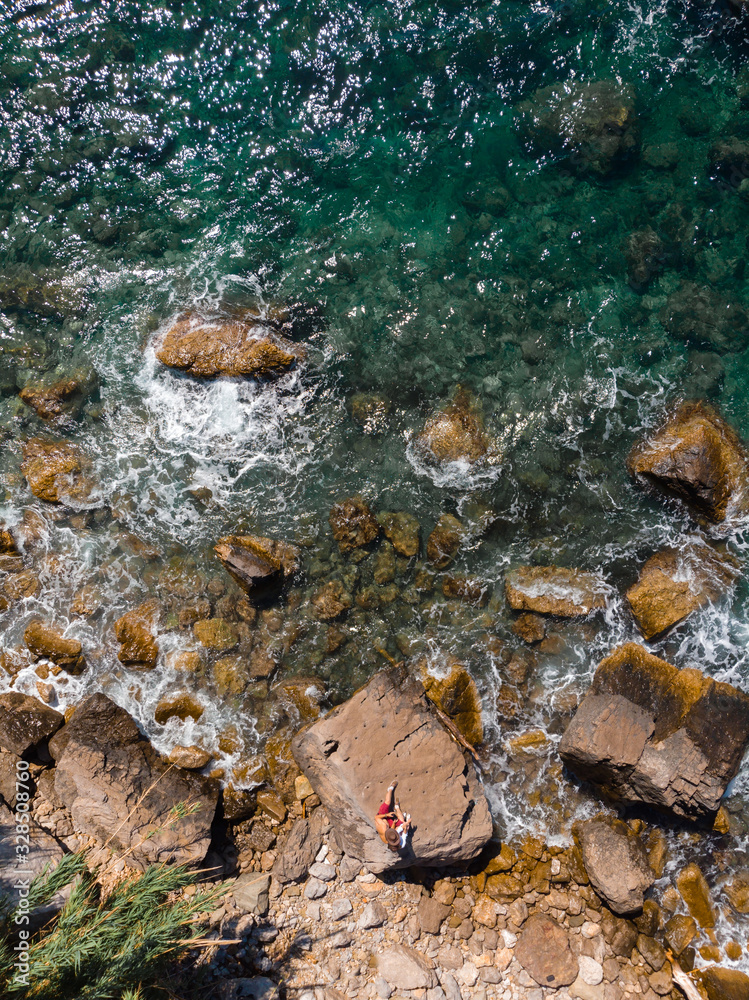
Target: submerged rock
616, 863
370, 411
260, 565
445, 540
554, 590
455, 433
704, 318
135, 631
331, 600
46, 643
234, 347
698, 459
182, 706
55, 471
120, 790
402, 530
353, 524
723, 984
675, 582
648, 732
645, 254
595, 123
386, 730
54, 399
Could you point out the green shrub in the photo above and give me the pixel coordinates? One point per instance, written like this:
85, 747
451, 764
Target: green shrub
103, 948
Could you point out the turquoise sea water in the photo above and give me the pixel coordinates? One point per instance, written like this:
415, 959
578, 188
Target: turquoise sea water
371, 162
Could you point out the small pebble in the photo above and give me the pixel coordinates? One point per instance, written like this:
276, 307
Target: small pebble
314, 889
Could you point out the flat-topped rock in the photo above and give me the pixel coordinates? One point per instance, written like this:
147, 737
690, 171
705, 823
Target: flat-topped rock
554, 590
616, 863
649, 732
697, 458
543, 949
234, 346
119, 789
675, 582
388, 730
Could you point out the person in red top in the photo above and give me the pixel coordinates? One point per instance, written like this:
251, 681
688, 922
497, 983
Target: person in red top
392, 826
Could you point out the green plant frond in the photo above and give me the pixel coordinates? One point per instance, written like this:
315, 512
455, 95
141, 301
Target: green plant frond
48, 883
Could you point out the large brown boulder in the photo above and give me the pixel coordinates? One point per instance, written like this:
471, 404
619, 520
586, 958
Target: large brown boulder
698, 459
445, 540
456, 433
648, 732
260, 565
723, 984
388, 730
45, 642
56, 471
553, 590
119, 789
594, 123
544, 951
675, 582
616, 863
208, 348
136, 633
402, 530
353, 524
24, 722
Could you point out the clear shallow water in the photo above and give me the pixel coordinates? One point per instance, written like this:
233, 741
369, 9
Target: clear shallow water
367, 160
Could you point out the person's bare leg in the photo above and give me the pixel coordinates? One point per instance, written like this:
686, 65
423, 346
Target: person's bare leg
390, 797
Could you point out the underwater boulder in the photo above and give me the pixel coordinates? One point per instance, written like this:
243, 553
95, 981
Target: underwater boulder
57, 398
135, 632
389, 729
237, 346
353, 524
645, 254
402, 530
261, 566
649, 732
594, 123
695, 457
370, 410
675, 582
56, 471
444, 540
704, 318
729, 161
455, 433
554, 590
47, 643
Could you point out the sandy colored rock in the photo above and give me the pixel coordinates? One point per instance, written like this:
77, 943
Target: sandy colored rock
543, 949
8, 545
723, 984
648, 732
675, 582
182, 706
698, 459
457, 696
529, 627
260, 565
406, 968
135, 631
118, 788
456, 433
24, 722
616, 863
237, 346
388, 727
737, 892
54, 399
444, 541
215, 634
47, 643
553, 590
695, 892
55, 471
402, 530
353, 524
331, 600
191, 758
680, 931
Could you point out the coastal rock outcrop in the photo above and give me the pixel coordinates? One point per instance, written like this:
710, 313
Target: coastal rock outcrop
554, 590
616, 863
118, 788
353, 524
25, 722
457, 696
698, 459
260, 565
386, 730
649, 732
56, 471
594, 123
236, 346
675, 582
456, 433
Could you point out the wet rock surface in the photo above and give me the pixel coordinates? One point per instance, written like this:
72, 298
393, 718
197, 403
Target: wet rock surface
104, 776
648, 732
238, 346
696, 458
553, 590
353, 524
387, 730
135, 631
46, 642
594, 124
456, 433
260, 565
675, 582
55, 471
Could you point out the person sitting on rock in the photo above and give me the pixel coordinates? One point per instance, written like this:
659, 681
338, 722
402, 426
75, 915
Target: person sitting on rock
392, 826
